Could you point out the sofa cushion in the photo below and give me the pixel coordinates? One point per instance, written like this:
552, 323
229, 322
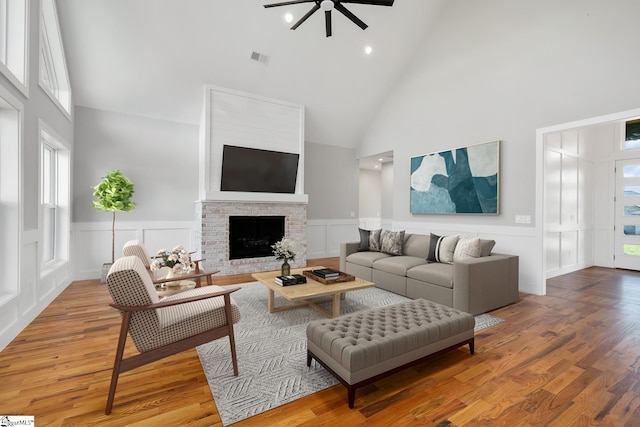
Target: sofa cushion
416, 245
436, 273
391, 242
398, 265
364, 239
467, 249
366, 259
486, 246
374, 240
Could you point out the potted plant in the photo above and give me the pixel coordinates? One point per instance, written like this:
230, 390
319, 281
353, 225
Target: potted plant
114, 194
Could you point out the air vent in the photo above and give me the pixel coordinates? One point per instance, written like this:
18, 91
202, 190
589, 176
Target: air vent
260, 57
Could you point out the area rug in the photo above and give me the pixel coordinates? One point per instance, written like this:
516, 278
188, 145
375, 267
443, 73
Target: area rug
272, 352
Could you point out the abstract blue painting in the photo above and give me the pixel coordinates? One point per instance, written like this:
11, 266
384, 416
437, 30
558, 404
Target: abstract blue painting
462, 180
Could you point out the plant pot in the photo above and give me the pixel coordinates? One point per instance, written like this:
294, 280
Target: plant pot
105, 270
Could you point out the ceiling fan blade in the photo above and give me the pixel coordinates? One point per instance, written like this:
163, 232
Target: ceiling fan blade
371, 2
286, 3
313, 10
339, 7
327, 21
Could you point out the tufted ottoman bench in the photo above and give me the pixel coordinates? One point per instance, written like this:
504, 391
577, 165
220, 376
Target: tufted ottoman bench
362, 347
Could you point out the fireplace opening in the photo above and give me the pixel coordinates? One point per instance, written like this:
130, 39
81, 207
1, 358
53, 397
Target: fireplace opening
253, 236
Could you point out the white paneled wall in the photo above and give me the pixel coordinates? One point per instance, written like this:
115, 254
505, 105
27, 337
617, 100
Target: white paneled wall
92, 241
570, 171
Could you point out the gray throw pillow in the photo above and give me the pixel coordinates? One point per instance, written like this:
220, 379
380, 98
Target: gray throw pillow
374, 240
392, 241
486, 246
364, 240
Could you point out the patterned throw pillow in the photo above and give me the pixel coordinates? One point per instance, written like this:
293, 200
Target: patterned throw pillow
364, 240
466, 249
433, 244
374, 240
446, 248
392, 241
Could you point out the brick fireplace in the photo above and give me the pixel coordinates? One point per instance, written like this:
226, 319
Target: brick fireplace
212, 233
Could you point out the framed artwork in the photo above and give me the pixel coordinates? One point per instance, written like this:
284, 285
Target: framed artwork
459, 181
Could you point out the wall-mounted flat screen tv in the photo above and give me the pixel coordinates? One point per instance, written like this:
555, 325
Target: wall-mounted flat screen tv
258, 171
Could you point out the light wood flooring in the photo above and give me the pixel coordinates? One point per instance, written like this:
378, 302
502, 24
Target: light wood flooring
571, 358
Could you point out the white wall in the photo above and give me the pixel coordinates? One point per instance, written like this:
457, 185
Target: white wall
500, 70
158, 156
370, 193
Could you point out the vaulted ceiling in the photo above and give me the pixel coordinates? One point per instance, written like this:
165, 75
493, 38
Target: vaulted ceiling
152, 57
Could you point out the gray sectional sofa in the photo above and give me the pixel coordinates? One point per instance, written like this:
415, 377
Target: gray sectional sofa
459, 273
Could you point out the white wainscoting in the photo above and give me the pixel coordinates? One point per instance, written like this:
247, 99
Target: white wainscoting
324, 236
37, 288
92, 241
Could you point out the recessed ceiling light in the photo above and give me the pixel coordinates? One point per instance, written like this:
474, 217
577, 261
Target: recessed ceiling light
381, 160
368, 50
288, 18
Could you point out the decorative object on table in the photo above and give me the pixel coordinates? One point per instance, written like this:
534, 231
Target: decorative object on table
178, 261
462, 180
326, 273
327, 6
340, 278
284, 250
114, 194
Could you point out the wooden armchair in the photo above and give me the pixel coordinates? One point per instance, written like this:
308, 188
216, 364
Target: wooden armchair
161, 328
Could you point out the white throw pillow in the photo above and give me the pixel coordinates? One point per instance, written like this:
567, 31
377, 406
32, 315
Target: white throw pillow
466, 249
446, 248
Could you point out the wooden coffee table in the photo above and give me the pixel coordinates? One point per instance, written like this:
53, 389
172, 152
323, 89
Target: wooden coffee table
302, 294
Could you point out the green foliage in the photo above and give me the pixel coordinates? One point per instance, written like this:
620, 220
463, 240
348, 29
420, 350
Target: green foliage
114, 193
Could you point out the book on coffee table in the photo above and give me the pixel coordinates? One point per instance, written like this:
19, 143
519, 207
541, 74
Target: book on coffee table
293, 279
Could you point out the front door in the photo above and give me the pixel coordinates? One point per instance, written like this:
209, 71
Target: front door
627, 216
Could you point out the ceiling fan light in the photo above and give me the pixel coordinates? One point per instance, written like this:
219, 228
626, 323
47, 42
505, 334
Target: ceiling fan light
327, 5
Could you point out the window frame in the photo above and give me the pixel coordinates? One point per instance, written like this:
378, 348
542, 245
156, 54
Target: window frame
14, 57
56, 251
52, 60
11, 203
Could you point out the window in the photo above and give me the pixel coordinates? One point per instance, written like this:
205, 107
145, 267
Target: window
13, 30
54, 78
11, 113
48, 201
632, 135
54, 199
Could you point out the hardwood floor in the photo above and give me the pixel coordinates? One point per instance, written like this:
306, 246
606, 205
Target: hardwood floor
571, 358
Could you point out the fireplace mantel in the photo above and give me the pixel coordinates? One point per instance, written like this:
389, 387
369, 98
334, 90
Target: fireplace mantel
235, 196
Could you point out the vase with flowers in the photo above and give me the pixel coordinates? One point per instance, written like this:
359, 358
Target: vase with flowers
284, 250
178, 261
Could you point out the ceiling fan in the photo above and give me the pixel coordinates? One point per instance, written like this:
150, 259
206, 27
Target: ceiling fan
327, 6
